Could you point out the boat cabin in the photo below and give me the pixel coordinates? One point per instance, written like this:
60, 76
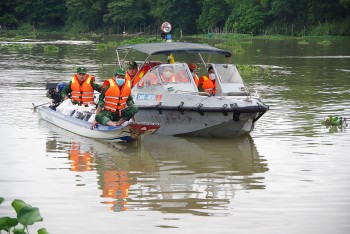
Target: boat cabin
168, 77
177, 77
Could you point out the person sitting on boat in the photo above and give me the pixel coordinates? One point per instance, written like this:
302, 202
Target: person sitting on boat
115, 105
81, 88
167, 74
193, 69
207, 83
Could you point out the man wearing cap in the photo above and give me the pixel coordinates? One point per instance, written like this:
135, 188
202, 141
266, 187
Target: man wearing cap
131, 72
115, 105
81, 88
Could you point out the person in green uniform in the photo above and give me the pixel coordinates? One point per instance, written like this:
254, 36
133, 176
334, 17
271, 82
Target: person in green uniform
116, 104
81, 88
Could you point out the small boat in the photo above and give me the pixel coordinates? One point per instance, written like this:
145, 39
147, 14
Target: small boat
178, 105
74, 123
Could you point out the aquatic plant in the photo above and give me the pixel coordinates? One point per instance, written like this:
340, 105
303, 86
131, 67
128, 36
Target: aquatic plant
247, 70
303, 42
17, 46
141, 39
232, 45
51, 48
334, 121
325, 43
26, 215
132, 40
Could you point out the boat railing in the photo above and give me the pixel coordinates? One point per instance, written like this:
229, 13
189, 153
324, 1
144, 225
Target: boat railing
193, 92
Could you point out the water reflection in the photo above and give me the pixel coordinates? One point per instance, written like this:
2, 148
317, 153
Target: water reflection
167, 174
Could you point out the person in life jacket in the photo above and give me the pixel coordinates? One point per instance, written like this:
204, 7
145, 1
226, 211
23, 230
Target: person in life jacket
193, 69
81, 88
167, 74
131, 73
208, 83
115, 105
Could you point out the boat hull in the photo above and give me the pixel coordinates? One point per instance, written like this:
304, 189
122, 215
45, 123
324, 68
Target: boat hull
205, 124
129, 133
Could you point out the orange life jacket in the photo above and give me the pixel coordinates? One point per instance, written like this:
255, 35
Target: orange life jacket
207, 84
196, 79
127, 76
140, 74
115, 97
172, 79
82, 93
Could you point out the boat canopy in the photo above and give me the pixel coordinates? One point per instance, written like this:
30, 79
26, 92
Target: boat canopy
174, 47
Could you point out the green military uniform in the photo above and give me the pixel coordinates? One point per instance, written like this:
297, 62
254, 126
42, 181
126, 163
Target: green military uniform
104, 116
67, 90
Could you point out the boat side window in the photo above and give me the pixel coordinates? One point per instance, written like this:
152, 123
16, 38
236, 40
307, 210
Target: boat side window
181, 74
149, 79
228, 73
174, 73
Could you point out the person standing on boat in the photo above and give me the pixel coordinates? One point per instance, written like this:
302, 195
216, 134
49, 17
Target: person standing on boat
208, 83
81, 88
116, 104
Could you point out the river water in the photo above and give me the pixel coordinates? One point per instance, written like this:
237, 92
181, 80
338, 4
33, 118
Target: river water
291, 175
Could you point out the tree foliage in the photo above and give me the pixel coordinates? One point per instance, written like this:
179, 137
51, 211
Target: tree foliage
186, 16
213, 15
246, 17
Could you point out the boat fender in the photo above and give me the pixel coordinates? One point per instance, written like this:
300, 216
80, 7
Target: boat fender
158, 107
181, 110
224, 110
199, 109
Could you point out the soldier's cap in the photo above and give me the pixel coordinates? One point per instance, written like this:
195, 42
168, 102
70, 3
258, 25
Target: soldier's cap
120, 72
81, 70
132, 65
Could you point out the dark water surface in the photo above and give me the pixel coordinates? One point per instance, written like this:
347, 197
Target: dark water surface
291, 175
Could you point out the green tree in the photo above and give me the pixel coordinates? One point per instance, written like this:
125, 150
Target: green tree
213, 15
85, 15
182, 14
289, 12
7, 14
41, 13
128, 14
246, 17
326, 10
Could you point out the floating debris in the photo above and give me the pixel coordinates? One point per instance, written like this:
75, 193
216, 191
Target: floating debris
334, 121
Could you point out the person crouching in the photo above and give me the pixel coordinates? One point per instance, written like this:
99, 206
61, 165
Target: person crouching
115, 105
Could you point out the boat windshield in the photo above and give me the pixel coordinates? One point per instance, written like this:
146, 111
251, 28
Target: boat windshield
228, 73
166, 73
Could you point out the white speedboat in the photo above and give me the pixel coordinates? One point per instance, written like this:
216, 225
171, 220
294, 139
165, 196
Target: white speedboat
178, 106
76, 124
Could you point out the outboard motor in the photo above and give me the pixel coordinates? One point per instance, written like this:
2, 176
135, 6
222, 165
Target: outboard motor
54, 92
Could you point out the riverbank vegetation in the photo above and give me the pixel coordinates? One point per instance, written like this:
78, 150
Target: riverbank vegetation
255, 17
